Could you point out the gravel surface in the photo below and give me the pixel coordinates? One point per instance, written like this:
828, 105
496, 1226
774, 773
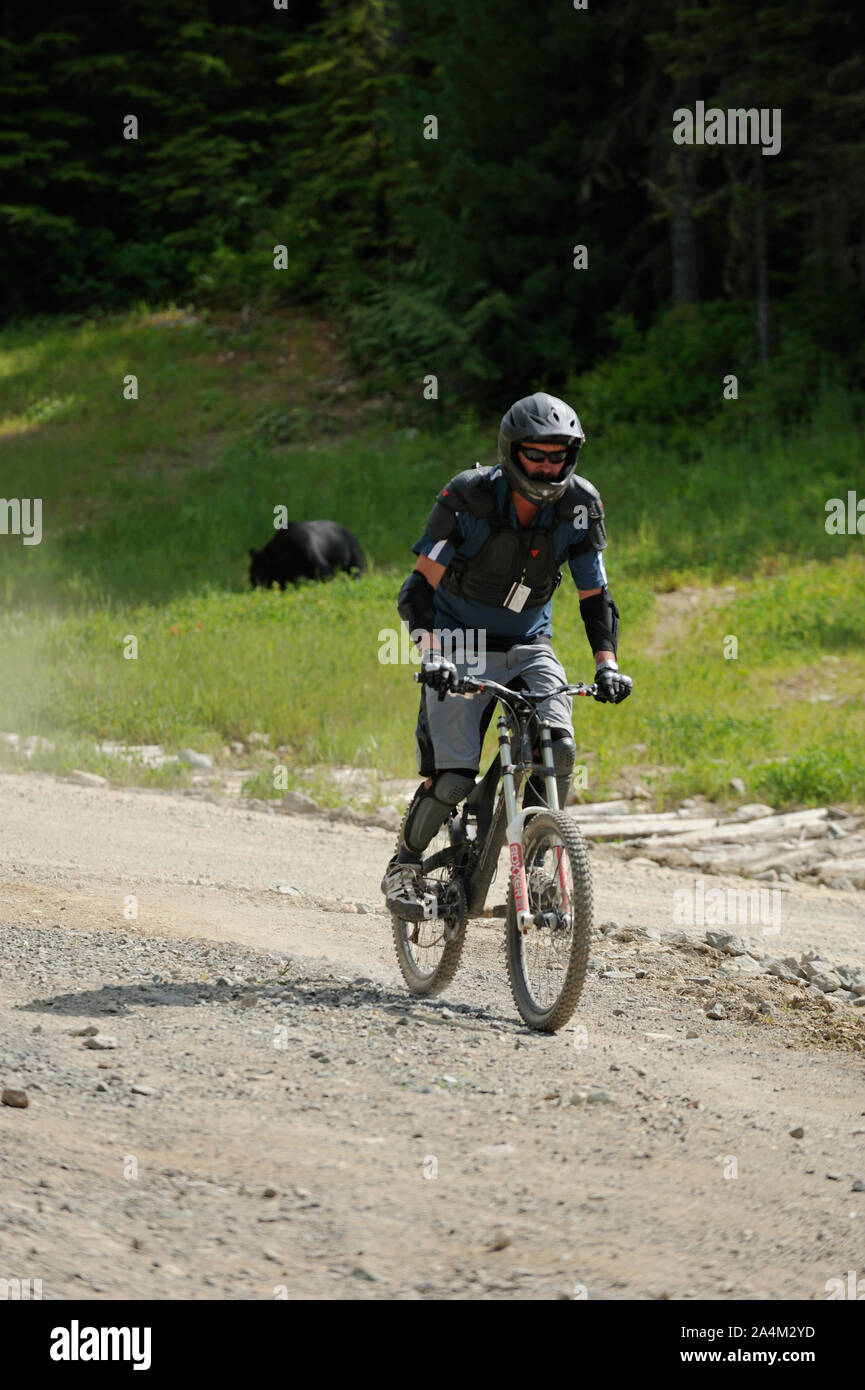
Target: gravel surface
231, 1095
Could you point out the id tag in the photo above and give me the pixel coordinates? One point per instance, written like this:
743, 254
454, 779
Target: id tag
517, 595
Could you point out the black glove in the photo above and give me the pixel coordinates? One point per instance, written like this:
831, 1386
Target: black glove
439, 673
613, 686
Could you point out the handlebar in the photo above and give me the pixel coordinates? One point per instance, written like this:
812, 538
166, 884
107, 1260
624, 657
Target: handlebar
475, 685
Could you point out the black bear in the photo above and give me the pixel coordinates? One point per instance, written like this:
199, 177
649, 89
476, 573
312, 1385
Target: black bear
304, 550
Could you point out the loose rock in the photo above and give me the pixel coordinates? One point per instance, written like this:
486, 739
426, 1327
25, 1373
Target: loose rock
779, 970
300, 804
18, 1100
87, 779
826, 981
725, 941
193, 759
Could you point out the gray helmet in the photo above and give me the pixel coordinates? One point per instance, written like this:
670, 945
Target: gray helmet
539, 419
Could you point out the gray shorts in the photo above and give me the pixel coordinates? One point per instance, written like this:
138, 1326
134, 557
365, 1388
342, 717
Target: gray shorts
450, 732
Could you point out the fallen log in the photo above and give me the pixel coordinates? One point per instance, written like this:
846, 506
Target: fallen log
767, 828
615, 827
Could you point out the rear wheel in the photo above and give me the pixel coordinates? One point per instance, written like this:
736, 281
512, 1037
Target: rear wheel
429, 951
548, 960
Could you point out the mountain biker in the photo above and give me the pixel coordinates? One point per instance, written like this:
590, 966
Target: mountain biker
488, 563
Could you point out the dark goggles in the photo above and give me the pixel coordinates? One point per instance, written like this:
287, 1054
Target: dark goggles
541, 456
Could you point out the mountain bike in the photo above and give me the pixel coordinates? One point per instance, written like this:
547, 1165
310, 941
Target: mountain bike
548, 915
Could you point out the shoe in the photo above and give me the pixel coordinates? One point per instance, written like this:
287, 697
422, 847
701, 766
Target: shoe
402, 888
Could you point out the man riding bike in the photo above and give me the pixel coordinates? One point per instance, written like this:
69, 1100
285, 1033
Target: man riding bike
488, 563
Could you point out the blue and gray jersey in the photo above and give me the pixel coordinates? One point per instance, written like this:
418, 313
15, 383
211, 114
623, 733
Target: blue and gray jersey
504, 628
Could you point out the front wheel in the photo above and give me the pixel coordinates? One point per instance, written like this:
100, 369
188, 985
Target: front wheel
548, 958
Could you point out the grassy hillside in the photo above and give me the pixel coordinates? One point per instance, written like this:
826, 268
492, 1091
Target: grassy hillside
150, 506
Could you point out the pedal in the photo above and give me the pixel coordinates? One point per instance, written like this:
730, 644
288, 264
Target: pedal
421, 911
500, 910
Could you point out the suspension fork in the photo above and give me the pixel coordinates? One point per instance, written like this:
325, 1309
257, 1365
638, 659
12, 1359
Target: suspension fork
514, 831
546, 746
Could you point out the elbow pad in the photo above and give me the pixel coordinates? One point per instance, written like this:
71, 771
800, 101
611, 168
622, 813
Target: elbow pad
415, 603
601, 618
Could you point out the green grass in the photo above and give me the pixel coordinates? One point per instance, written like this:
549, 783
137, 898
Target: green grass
152, 499
304, 666
149, 508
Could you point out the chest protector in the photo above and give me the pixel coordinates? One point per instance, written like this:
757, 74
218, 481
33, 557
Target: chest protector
505, 558
508, 556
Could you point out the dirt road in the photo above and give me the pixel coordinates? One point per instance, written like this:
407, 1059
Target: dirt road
410, 1149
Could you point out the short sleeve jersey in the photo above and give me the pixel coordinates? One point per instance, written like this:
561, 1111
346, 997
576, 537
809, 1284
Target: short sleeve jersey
504, 628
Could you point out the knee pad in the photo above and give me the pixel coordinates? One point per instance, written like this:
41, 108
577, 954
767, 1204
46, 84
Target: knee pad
564, 756
564, 752
432, 805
